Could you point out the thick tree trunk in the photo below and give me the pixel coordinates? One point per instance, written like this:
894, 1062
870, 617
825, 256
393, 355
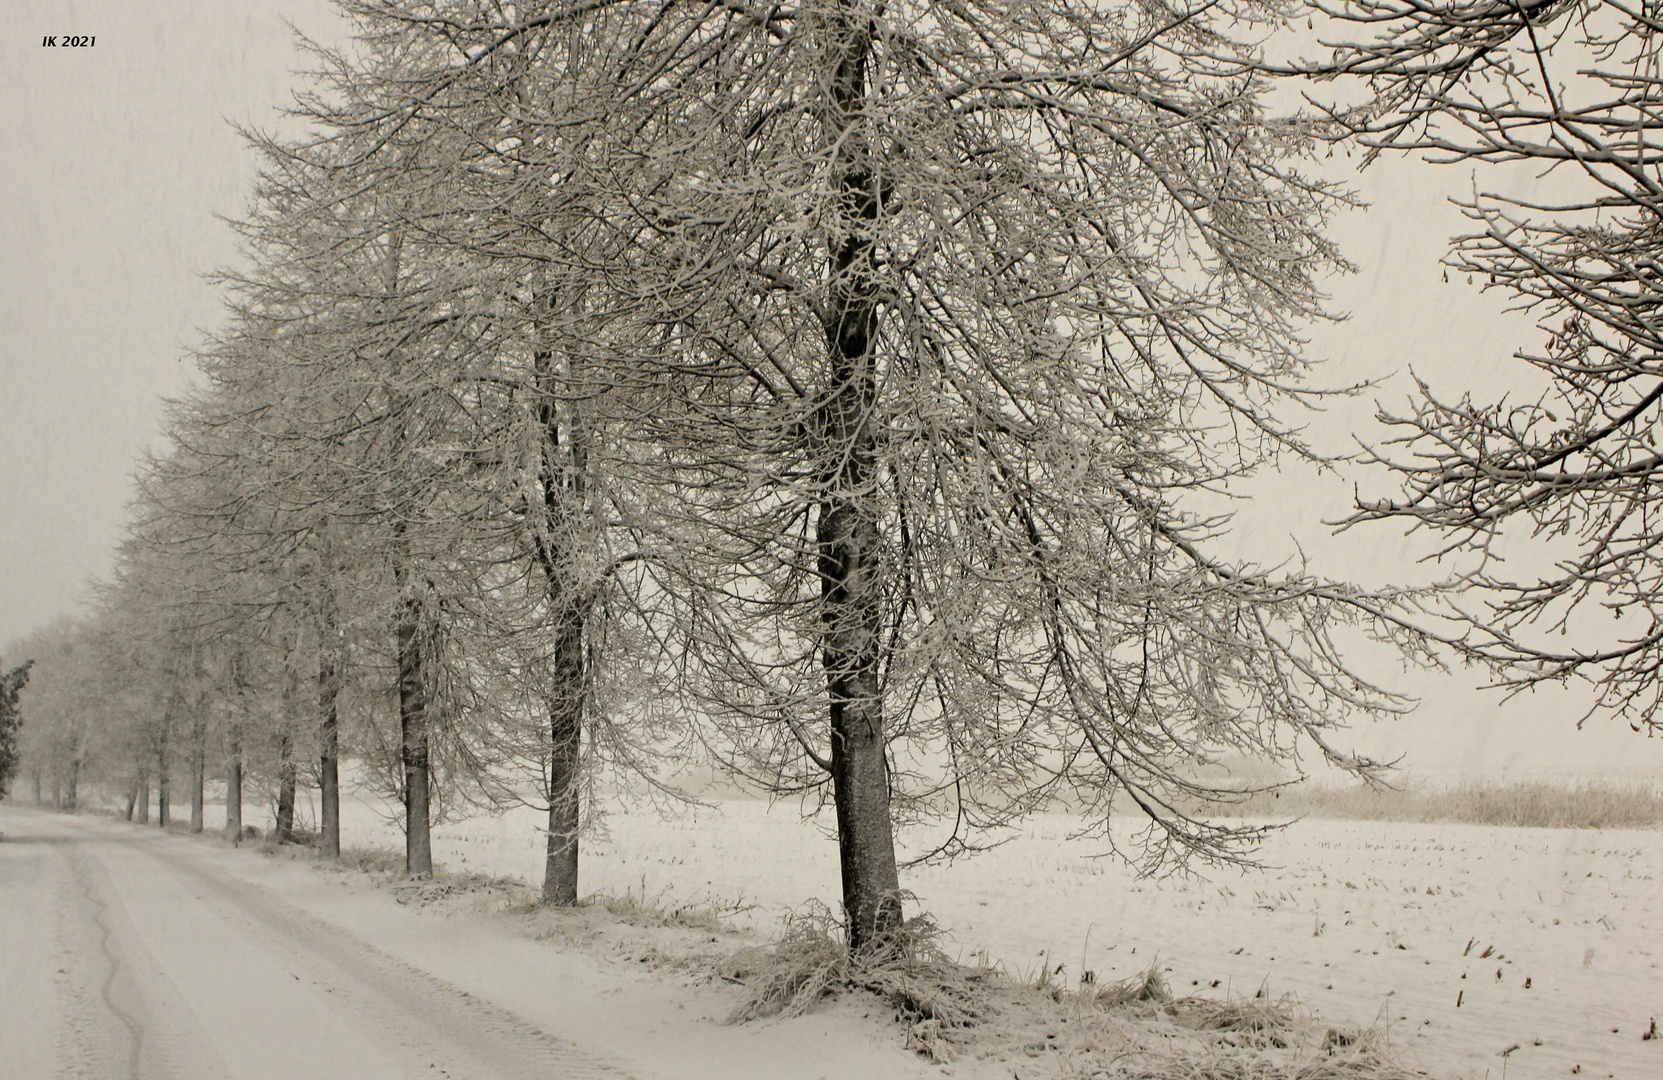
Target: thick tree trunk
563, 476
132, 797
329, 765
144, 798
162, 782
412, 674
282, 830
57, 792
199, 739
566, 744
847, 530
234, 791
860, 774
412, 717
73, 794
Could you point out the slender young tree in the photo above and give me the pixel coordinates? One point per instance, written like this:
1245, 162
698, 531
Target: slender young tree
234, 751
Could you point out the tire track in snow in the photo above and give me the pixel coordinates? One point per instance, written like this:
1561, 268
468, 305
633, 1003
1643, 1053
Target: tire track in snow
135, 1030
95, 1035
120, 1006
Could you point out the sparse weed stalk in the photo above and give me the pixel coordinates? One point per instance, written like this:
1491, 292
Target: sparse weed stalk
1136, 1028
657, 909
372, 860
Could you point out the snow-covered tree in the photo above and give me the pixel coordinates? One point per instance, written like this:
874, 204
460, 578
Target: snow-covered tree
11, 686
1567, 94
941, 317
509, 372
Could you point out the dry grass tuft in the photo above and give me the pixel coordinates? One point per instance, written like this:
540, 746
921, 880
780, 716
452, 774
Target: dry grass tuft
812, 961
1529, 805
372, 860
1136, 1030
385, 866
1349, 1066
641, 909
1148, 987
809, 962
1253, 1022
689, 937
1131, 1030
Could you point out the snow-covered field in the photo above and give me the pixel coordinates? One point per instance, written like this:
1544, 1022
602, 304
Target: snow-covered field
1487, 951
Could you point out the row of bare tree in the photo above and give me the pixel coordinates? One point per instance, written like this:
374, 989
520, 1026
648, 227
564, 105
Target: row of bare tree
827, 391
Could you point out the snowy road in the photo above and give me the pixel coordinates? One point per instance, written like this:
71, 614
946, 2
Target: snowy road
127, 952
128, 955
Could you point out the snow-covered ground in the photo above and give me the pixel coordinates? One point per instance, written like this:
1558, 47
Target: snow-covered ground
1466, 940
131, 954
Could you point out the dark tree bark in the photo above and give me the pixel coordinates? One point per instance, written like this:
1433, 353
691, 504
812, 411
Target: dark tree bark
199, 739
413, 682
283, 828
329, 775
412, 717
144, 798
847, 529
849, 567
72, 795
162, 781
287, 770
563, 477
234, 791
566, 739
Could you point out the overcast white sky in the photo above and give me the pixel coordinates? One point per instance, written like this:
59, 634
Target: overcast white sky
116, 158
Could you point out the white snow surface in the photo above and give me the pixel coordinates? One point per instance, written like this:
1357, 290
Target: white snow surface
130, 954
228, 963
1364, 922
